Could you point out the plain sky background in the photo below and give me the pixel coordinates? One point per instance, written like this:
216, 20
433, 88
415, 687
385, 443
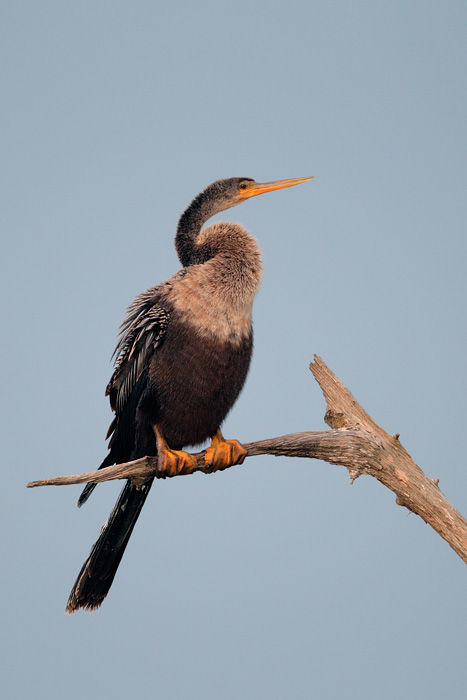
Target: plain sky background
276, 579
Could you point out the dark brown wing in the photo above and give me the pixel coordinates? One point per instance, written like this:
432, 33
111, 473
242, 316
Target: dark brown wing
142, 332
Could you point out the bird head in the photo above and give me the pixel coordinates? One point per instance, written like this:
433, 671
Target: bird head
235, 190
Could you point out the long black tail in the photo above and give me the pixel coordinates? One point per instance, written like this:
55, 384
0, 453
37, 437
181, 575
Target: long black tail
98, 571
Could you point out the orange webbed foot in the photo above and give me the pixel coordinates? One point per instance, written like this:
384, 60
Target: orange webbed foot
224, 453
174, 462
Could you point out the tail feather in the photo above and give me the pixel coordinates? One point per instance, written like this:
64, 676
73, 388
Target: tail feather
98, 571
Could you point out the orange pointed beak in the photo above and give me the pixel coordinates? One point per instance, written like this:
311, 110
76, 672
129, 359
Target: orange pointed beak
255, 188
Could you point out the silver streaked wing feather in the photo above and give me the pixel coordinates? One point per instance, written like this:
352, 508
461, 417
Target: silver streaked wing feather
141, 333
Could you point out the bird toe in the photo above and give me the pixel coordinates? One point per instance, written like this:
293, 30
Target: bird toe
174, 462
224, 454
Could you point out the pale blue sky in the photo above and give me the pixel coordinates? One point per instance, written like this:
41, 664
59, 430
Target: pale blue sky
276, 579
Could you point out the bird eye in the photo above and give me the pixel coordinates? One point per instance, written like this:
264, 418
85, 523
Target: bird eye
242, 186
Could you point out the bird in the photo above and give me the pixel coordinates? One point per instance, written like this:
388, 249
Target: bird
181, 360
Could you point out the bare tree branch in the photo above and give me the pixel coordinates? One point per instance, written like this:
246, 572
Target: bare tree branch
354, 441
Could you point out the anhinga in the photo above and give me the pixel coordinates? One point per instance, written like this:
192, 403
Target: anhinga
181, 361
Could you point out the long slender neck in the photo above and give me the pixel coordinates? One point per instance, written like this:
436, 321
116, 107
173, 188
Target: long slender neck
189, 227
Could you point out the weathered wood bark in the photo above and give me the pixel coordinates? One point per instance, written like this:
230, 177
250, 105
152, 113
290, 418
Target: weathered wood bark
355, 441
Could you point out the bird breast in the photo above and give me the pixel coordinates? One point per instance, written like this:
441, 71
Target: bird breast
216, 297
213, 310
